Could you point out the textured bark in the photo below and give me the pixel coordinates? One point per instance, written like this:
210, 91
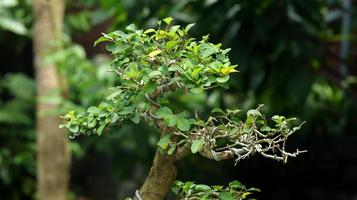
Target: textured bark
53, 154
160, 179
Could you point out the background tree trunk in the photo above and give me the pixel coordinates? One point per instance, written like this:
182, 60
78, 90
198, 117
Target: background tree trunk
53, 153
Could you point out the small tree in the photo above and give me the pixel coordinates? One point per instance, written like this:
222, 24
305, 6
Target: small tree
153, 64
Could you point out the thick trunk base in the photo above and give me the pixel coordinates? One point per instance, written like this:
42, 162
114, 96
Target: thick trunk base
160, 179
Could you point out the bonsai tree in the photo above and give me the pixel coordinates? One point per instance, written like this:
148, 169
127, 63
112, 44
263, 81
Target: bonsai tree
150, 66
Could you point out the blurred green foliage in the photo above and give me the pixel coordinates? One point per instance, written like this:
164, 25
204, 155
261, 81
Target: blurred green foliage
17, 137
15, 16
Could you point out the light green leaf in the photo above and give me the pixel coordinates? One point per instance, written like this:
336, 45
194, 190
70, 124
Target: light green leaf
150, 30
126, 110
223, 79
164, 141
278, 119
93, 110
173, 68
197, 90
173, 29
183, 124
115, 118
254, 112
100, 40
188, 27
197, 145
154, 74
265, 128
12, 25
202, 187
163, 112
135, 119
171, 150
168, 20
233, 112
170, 120
131, 27
170, 44
74, 128
100, 129
226, 196
236, 184
154, 53
113, 95
92, 123
218, 110
208, 50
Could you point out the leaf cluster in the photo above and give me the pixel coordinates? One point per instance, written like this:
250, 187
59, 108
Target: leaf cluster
191, 191
153, 61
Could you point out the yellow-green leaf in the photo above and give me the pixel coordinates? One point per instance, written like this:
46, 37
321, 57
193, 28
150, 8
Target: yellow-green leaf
150, 30
154, 53
227, 70
168, 20
170, 44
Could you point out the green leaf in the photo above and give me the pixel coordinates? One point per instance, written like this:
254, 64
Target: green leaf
131, 27
164, 141
150, 30
236, 184
100, 129
233, 112
173, 68
197, 145
74, 128
218, 110
168, 20
200, 122
170, 120
183, 124
171, 150
170, 44
101, 39
188, 27
226, 51
226, 196
154, 74
223, 79
208, 50
92, 123
197, 90
164, 69
254, 112
265, 128
93, 110
116, 48
278, 119
154, 53
173, 29
12, 25
126, 110
135, 119
113, 95
202, 187
115, 118
163, 112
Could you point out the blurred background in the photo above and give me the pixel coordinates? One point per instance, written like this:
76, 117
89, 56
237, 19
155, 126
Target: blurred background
298, 58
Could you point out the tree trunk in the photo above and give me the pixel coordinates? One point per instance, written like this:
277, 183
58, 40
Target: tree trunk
53, 153
160, 179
